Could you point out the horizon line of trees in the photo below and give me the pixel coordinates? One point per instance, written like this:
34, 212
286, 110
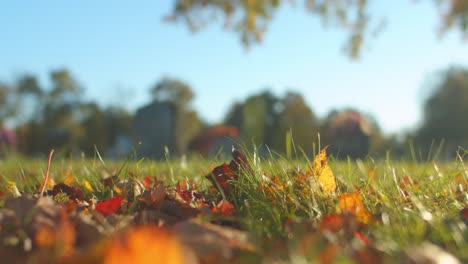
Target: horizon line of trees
59, 117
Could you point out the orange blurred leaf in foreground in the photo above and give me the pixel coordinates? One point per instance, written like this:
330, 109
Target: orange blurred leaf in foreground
324, 173
61, 237
352, 203
146, 244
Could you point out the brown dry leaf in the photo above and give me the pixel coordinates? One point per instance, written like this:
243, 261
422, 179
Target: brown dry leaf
324, 173
352, 203
213, 243
153, 197
146, 244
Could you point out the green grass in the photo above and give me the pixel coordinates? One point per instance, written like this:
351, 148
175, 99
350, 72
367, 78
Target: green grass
404, 215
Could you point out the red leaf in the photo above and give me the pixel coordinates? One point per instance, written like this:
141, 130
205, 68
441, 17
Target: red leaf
110, 181
220, 176
362, 237
110, 206
148, 181
333, 222
464, 215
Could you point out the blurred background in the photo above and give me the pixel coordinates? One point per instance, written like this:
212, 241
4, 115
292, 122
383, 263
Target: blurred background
369, 78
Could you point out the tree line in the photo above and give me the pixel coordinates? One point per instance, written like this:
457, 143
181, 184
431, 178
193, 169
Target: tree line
59, 117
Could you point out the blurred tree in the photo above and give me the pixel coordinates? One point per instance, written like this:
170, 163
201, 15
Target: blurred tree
234, 116
259, 119
62, 114
29, 99
7, 107
265, 119
175, 91
446, 111
103, 127
250, 18
186, 123
297, 117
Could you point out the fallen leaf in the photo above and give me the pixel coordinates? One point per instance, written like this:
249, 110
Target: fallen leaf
186, 191
221, 176
324, 173
152, 198
148, 181
72, 192
87, 185
110, 206
224, 175
464, 215
213, 243
146, 244
224, 208
69, 178
333, 222
12, 189
352, 203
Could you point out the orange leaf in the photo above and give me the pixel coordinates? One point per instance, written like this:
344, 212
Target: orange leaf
146, 244
110, 206
324, 173
185, 190
352, 203
224, 208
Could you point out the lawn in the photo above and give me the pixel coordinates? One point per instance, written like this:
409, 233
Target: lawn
244, 209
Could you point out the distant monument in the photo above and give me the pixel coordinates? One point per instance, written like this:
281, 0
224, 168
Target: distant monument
349, 134
154, 129
213, 139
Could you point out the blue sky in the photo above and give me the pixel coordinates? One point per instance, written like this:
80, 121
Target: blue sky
119, 49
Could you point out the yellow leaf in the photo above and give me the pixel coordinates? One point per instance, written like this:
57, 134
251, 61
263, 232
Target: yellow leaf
13, 189
50, 183
117, 190
87, 185
352, 203
324, 173
69, 179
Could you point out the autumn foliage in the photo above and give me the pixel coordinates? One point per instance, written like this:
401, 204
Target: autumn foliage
135, 220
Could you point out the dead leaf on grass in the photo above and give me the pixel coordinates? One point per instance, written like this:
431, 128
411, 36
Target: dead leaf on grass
323, 172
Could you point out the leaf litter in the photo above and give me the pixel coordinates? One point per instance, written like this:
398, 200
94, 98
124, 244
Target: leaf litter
146, 221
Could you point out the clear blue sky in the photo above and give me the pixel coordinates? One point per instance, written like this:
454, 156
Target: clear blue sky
118, 49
